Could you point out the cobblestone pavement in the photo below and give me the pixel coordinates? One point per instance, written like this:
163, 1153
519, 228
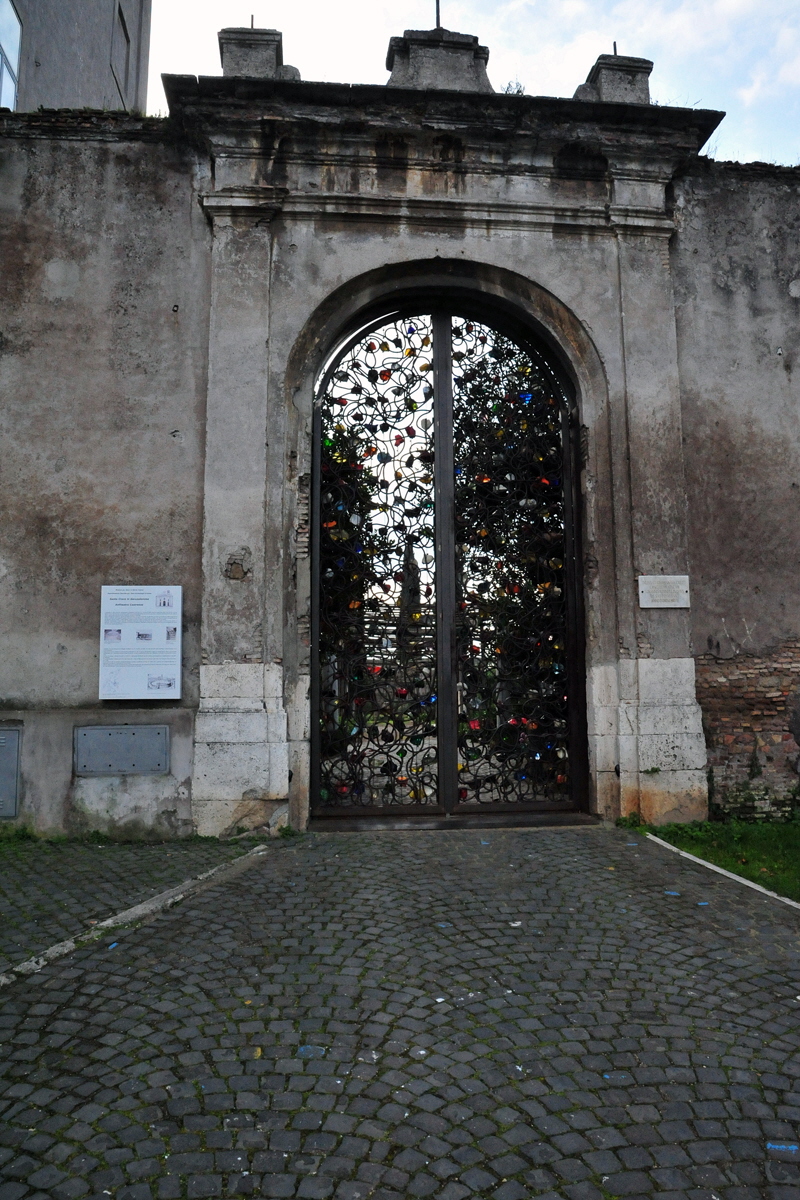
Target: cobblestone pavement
463, 1014
50, 891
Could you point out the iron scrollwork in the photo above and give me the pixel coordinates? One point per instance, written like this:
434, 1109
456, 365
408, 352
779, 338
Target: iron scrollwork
379, 499
377, 639
508, 431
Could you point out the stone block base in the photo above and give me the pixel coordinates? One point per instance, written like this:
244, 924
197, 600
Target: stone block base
646, 745
241, 757
226, 818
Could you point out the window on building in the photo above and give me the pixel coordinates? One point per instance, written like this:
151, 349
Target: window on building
10, 36
121, 53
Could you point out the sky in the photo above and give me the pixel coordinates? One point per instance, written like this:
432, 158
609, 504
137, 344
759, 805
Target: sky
738, 56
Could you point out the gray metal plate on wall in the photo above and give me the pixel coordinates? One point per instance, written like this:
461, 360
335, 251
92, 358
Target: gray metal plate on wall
121, 749
9, 772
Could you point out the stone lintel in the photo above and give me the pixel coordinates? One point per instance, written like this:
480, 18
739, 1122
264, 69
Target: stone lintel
243, 104
260, 203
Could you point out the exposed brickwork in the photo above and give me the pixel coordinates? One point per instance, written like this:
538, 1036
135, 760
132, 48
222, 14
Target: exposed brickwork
747, 704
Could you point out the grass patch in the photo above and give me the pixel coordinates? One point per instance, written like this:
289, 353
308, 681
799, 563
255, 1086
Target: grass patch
765, 852
16, 833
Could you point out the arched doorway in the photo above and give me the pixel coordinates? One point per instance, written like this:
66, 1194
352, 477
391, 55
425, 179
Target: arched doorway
447, 631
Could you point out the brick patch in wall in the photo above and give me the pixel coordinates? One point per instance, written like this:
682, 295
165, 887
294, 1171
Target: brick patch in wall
750, 716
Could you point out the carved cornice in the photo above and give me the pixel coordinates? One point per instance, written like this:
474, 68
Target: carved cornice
254, 204
444, 213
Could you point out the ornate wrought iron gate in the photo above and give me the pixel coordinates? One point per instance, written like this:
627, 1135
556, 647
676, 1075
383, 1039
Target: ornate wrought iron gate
446, 632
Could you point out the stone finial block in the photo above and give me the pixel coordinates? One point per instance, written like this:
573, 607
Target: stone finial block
440, 59
254, 54
616, 79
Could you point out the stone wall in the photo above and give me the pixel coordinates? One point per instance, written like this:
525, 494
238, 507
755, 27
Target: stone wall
750, 719
103, 332
736, 266
170, 290
75, 55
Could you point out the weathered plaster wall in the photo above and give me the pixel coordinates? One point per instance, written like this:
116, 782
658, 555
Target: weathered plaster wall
128, 806
736, 265
103, 333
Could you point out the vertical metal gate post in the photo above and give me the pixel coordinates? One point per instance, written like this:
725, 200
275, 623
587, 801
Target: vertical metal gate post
576, 656
444, 488
316, 707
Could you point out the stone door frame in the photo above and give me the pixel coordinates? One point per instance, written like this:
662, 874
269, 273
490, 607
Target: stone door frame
502, 296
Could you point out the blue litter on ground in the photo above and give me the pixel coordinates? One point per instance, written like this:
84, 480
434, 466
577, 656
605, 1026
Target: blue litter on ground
666, 893
702, 903
486, 843
311, 1052
113, 944
782, 1146
631, 843
444, 924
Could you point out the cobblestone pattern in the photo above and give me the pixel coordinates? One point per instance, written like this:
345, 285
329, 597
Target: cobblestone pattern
506, 1015
50, 891
747, 705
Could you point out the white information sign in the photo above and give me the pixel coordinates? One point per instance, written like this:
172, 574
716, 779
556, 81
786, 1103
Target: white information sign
140, 643
663, 591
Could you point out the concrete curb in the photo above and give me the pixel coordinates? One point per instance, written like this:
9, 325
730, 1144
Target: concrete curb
129, 916
721, 871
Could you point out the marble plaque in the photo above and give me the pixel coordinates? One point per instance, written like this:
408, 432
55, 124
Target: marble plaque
663, 591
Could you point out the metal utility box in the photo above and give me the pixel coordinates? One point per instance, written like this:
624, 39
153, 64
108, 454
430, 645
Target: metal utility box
122, 749
9, 772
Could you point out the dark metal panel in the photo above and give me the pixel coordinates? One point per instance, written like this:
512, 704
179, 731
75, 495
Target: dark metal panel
375, 662
122, 750
447, 714
9, 772
510, 518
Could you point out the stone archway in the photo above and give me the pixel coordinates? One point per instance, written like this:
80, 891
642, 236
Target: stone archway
530, 313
